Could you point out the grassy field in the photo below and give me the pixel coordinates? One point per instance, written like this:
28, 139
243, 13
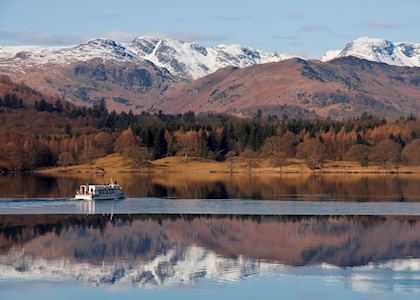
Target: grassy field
116, 163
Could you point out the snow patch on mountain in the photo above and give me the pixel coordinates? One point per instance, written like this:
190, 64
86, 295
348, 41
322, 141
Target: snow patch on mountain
410, 50
330, 54
192, 60
186, 60
97, 48
379, 50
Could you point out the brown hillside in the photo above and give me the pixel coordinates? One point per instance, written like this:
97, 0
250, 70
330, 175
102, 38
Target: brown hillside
124, 86
345, 87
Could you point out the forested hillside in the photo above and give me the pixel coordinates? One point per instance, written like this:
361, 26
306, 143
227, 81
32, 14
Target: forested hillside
39, 131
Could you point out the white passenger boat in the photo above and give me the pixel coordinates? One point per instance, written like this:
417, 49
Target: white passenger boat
112, 191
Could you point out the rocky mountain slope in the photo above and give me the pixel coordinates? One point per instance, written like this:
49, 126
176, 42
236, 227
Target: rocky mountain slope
192, 61
129, 76
124, 86
151, 74
185, 60
344, 87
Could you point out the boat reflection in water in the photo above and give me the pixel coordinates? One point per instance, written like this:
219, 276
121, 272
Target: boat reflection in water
364, 253
87, 207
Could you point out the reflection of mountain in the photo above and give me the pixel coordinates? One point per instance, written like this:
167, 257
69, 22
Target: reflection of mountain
160, 251
340, 241
196, 263
174, 267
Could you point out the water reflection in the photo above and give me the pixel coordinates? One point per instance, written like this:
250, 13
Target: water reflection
222, 186
161, 251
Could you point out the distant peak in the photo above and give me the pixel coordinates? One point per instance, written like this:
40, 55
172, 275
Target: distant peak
102, 41
146, 38
378, 50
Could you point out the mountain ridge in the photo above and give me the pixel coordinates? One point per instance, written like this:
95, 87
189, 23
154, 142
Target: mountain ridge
342, 88
379, 50
186, 60
151, 74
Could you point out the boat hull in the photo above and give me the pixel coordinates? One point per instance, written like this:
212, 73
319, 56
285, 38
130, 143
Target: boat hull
99, 197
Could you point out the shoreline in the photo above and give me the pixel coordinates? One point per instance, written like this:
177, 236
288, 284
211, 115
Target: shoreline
115, 163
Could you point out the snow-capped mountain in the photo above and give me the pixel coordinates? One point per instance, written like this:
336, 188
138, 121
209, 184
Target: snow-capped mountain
185, 60
98, 48
192, 61
379, 50
410, 50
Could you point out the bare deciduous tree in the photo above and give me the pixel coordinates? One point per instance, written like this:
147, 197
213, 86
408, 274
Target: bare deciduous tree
387, 153
230, 157
411, 152
359, 153
313, 151
251, 159
279, 160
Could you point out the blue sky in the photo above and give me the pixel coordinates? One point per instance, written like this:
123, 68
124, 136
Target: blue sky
303, 27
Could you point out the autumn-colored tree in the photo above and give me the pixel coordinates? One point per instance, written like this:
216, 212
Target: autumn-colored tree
289, 141
359, 153
88, 153
187, 144
271, 145
313, 151
411, 152
279, 160
65, 159
104, 143
125, 140
139, 155
276, 144
12, 157
387, 153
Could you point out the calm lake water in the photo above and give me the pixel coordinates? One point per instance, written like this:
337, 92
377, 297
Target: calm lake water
332, 187
207, 236
202, 257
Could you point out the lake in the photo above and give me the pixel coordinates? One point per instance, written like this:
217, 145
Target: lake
186, 236
310, 187
170, 256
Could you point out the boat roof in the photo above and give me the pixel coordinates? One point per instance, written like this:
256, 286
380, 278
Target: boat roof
106, 186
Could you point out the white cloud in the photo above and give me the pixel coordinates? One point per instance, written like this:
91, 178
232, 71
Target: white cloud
189, 36
382, 24
39, 38
119, 36
46, 38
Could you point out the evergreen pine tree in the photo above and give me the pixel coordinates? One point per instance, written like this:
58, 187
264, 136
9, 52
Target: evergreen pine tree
160, 146
203, 144
359, 139
67, 129
58, 106
223, 146
149, 138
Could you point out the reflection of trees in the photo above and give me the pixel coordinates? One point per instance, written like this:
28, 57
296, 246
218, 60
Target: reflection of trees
206, 186
293, 240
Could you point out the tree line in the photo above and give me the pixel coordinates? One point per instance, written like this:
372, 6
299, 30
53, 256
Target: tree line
148, 136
